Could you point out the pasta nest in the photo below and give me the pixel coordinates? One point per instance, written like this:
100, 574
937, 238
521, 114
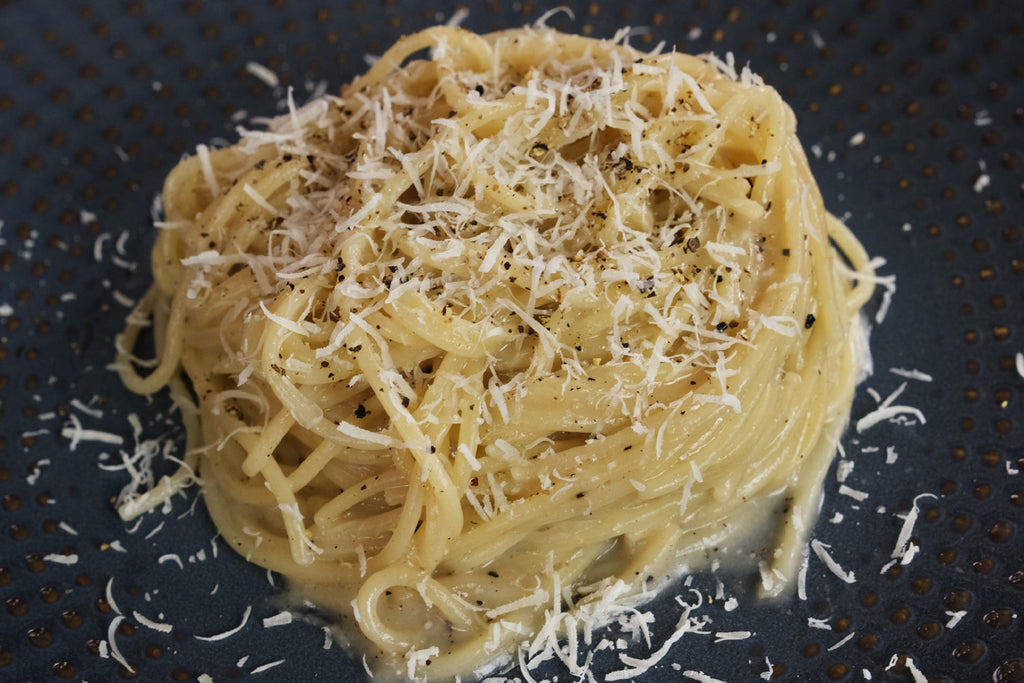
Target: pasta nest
496, 331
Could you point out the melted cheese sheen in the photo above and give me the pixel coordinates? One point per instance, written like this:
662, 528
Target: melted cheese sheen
492, 337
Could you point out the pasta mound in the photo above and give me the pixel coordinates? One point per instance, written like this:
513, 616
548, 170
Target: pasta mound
497, 332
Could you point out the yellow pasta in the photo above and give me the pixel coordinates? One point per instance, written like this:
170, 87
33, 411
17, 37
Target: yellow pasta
499, 330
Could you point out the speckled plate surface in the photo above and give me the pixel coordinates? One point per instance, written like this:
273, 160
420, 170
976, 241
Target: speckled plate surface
911, 112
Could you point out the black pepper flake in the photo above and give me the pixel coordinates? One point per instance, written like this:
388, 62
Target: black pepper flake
277, 368
506, 265
492, 573
287, 157
692, 244
580, 494
785, 252
361, 411
260, 164
809, 321
405, 401
722, 326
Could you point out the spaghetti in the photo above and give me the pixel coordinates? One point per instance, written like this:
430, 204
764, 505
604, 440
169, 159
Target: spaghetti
495, 332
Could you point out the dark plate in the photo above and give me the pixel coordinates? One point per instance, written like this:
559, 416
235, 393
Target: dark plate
911, 113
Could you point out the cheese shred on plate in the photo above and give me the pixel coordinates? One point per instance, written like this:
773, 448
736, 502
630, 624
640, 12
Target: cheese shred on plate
513, 319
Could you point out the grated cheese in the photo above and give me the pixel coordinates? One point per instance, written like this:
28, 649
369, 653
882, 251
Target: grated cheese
110, 596
352, 430
259, 199
915, 672
911, 374
60, 558
229, 632
266, 667
264, 74
37, 471
171, 557
88, 410
842, 642
203, 152
77, 434
638, 667
115, 651
886, 411
279, 619
722, 636
904, 550
821, 550
538, 597
149, 623
843, 469
859, 496
955, 617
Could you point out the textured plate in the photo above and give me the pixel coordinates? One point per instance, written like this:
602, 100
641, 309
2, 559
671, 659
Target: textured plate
910, 112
